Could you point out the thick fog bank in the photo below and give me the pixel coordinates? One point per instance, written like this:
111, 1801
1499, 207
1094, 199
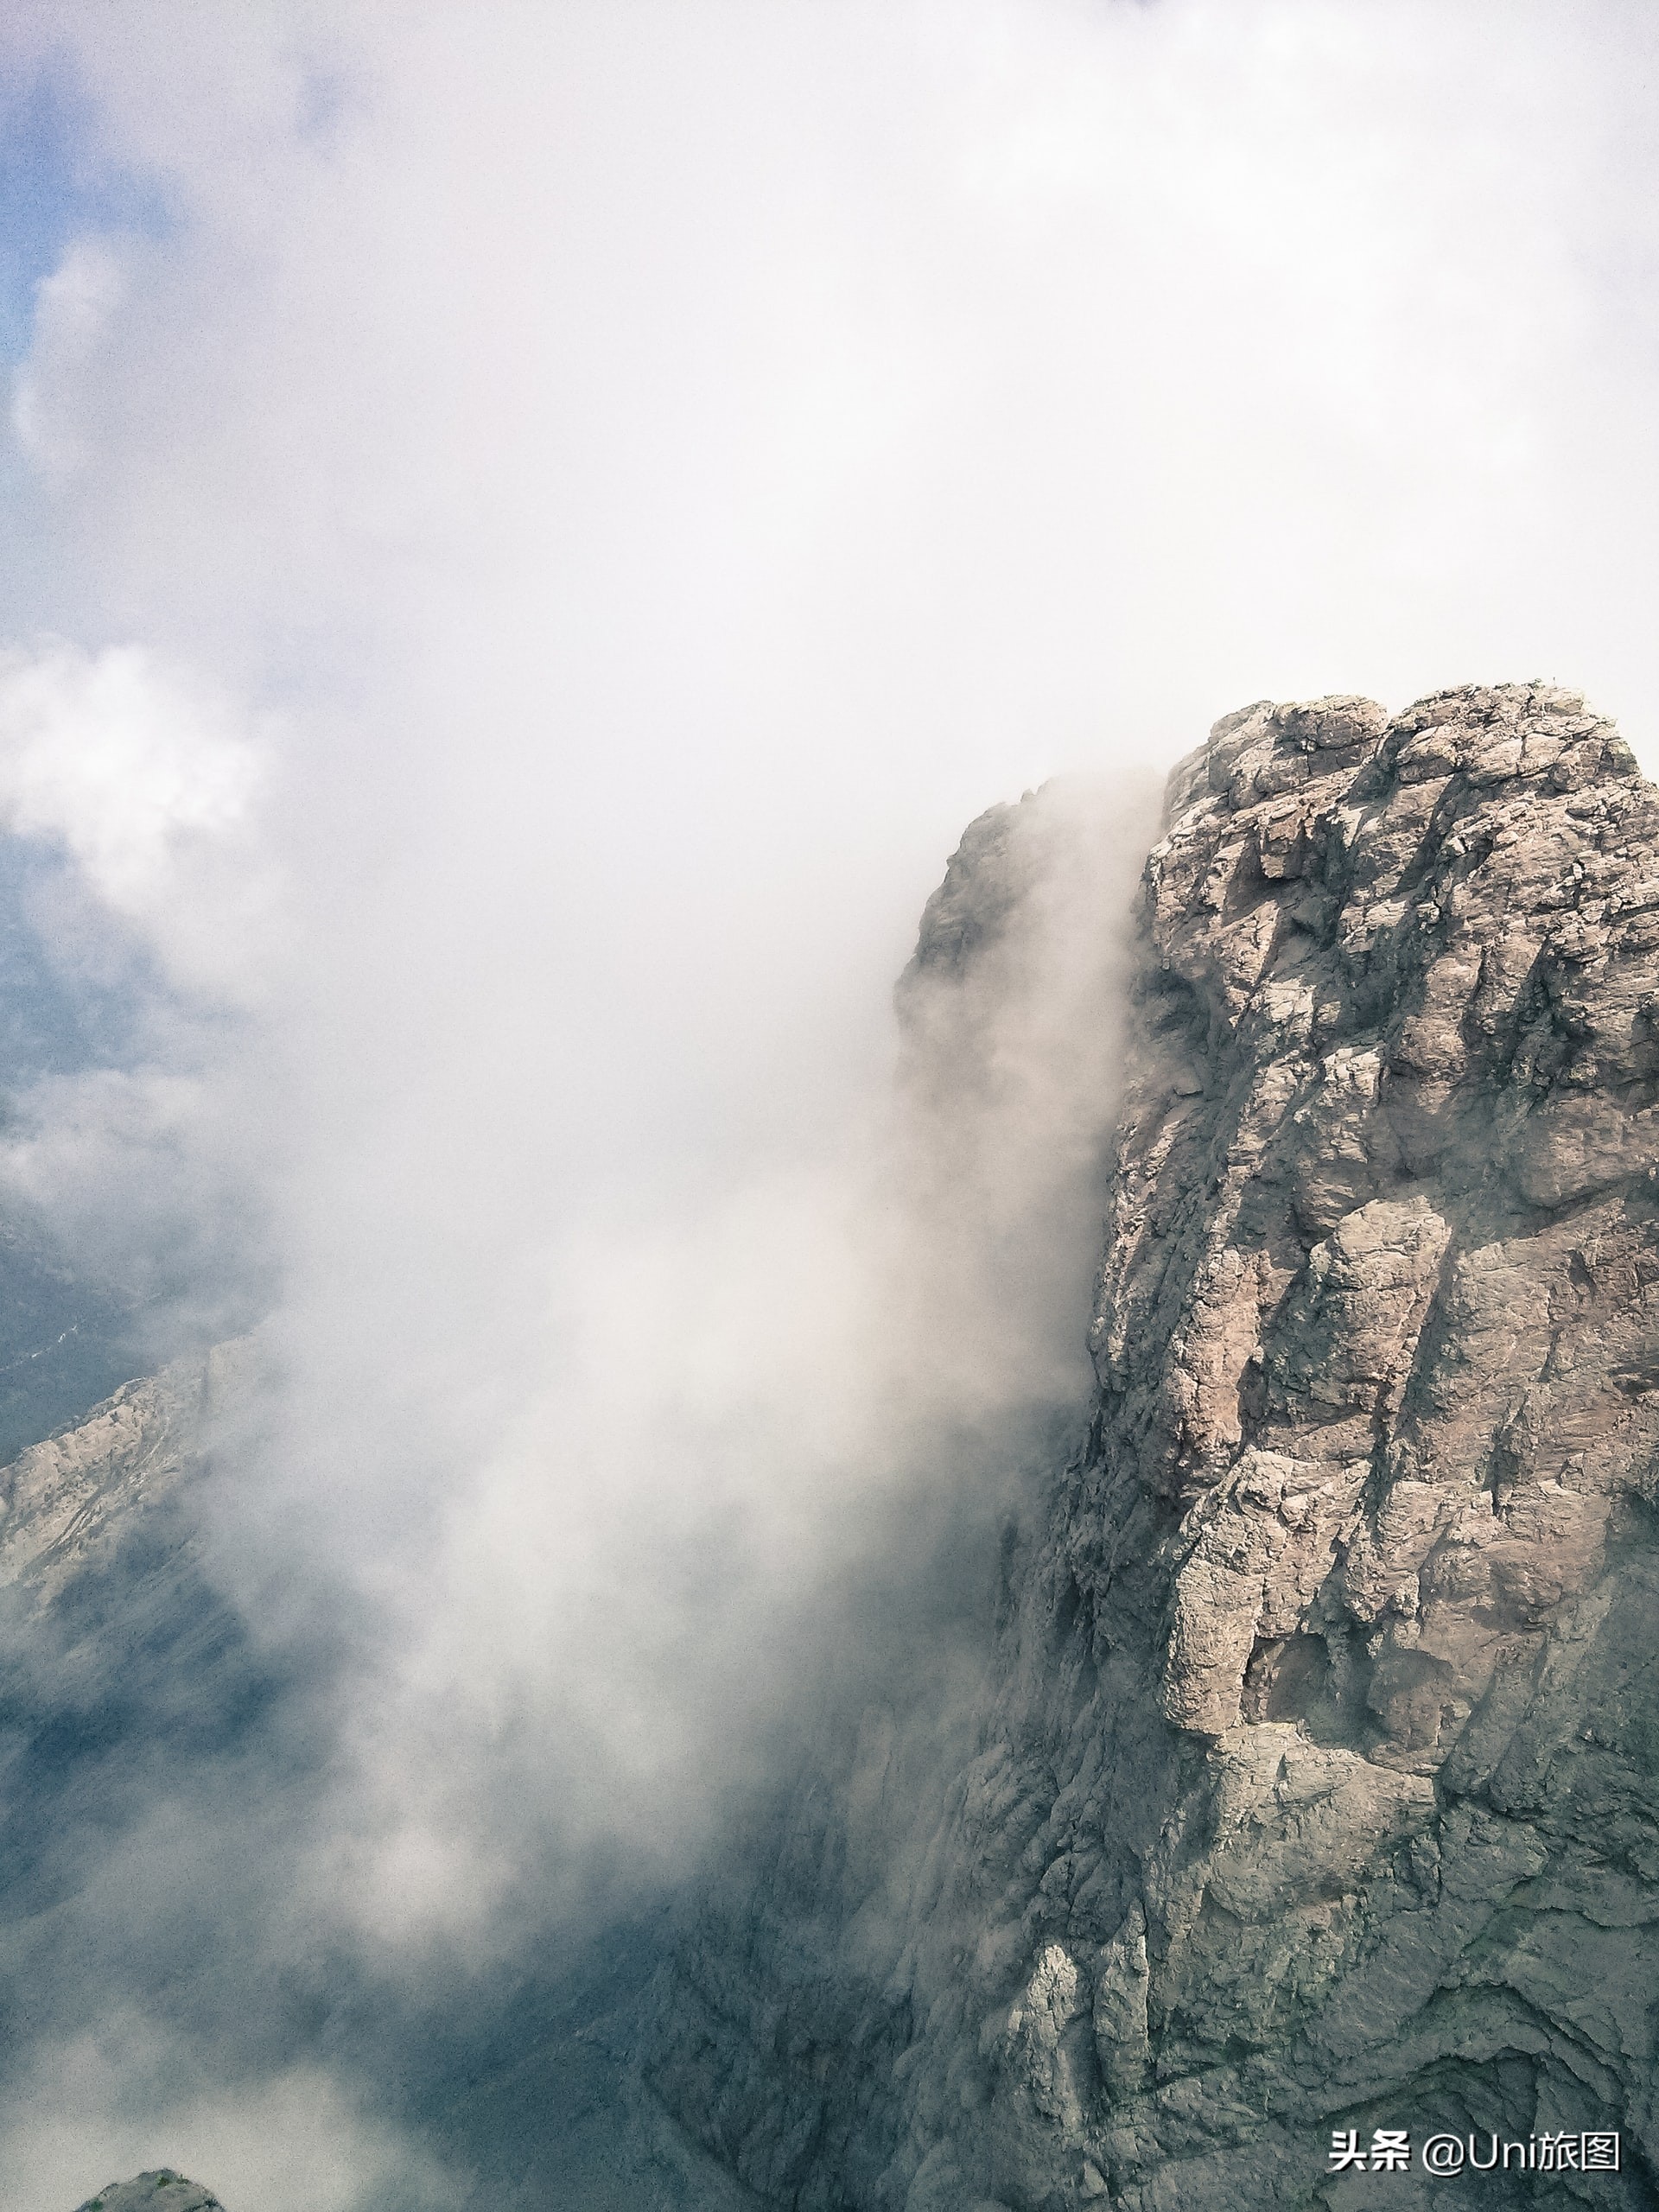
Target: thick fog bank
393, 1757
530, 533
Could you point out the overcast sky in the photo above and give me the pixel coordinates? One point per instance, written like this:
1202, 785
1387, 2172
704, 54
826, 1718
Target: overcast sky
529, 530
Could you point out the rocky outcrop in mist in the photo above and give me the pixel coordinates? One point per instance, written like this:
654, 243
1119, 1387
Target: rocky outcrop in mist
1312, 1787
162, 2190
66, 1502
1310, 1784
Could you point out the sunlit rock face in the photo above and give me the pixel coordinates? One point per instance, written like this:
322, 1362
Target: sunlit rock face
66, 1502
1313, 1785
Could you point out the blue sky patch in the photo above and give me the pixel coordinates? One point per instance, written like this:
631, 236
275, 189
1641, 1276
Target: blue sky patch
53, 187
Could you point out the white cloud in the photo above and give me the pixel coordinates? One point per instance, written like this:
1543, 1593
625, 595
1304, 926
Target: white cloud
598, 516
144, 777
73, 308
119, 2102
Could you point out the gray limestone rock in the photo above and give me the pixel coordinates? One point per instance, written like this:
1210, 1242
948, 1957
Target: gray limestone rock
64, 1498
1314, 1786
160, 2191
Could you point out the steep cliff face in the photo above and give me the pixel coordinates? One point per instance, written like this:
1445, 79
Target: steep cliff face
1315, 1785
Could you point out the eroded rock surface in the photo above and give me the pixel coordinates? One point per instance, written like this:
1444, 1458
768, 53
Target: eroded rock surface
160, 2191
64, 1501
1315, 1785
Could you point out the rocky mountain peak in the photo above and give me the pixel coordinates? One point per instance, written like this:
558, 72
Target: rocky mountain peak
1309, 1796
161, 2190
1313, 1786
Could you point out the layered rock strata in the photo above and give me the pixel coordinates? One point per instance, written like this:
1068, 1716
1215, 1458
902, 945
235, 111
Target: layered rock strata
1315, 1787
66, 1503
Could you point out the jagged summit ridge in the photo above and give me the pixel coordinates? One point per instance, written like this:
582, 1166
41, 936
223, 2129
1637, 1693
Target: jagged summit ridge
1315, 1784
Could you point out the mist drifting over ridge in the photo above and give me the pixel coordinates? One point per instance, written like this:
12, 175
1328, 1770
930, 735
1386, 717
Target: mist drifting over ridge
531, 536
